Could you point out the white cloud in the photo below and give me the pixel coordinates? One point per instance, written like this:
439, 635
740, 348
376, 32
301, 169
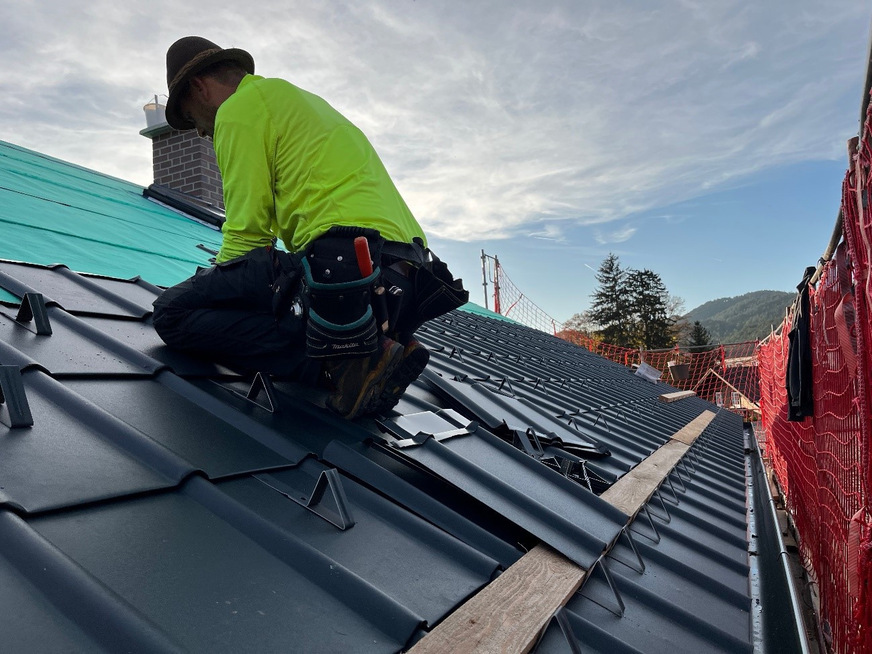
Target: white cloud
495, 118
616, 236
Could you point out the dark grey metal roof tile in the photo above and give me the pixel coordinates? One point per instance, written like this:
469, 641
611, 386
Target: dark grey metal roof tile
216, 577
78, 293
57, 591
73, 348
75, 453
569, 518
183, 427
140, 336
31, 623
360, 461
387, 546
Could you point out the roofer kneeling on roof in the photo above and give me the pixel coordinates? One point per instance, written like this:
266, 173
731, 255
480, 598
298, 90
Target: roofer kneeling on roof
295, 169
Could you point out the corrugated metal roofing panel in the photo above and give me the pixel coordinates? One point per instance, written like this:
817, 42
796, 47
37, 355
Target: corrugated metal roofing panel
487, 370
560, 512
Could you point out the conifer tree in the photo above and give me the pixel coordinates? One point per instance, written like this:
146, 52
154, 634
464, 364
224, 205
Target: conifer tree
609, 309
648, 304
700, 339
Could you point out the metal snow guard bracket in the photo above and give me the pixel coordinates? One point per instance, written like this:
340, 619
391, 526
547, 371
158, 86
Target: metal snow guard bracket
415, 428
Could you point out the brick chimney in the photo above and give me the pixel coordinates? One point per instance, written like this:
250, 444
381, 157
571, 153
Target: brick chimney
182, 161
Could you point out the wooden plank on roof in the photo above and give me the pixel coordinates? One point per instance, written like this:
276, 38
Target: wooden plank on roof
510, 612
678, 395
632, 491
691, 431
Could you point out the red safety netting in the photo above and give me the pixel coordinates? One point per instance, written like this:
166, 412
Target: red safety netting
822, 463
510, 302
724, 374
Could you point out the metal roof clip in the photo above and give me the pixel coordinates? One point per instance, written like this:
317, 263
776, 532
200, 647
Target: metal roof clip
625, 532
262, 382
33, 308
601, 565
338, 515
13, 396
560, 617
530, 443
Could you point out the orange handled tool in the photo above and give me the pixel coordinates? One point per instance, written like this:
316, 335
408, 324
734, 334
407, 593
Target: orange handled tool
361, 249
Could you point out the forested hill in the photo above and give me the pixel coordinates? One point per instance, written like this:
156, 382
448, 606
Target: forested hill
742, 318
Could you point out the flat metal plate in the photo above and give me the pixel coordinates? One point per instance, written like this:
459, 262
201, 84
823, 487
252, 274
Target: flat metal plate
571, 519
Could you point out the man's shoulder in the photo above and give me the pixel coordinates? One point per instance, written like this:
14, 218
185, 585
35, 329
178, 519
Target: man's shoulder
280, 100
257, 85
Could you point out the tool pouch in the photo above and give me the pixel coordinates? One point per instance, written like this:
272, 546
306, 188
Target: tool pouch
436, 290
341, 323
427, 289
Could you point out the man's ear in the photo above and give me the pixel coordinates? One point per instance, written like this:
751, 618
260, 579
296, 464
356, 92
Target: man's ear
198, 88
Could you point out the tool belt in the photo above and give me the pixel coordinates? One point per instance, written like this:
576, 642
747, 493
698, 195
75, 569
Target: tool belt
338, 296
347, 310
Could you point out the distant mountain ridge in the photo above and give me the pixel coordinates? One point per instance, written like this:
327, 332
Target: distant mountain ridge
742, 318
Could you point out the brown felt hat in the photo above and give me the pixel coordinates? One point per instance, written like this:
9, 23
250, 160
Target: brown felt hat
187, 57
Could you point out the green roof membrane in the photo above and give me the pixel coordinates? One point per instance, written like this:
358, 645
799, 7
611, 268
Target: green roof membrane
56, 212
472, 307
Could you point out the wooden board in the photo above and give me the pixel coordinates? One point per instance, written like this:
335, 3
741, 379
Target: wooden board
632, 491
508, 614
678, 395
691, 431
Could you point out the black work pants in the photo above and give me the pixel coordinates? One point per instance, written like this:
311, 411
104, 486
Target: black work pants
229, 313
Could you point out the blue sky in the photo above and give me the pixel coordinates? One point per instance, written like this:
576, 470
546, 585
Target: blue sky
704, 141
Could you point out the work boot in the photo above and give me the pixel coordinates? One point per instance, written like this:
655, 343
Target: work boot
358, 381
414, 360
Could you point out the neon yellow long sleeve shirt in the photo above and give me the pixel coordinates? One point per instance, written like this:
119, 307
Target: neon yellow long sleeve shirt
292, 166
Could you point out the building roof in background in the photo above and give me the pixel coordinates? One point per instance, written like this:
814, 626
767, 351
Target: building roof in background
160, 502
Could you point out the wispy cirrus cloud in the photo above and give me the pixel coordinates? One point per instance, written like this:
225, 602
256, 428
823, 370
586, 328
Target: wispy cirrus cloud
603, 237
495, 118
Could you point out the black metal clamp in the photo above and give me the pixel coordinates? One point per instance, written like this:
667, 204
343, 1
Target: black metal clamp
33, 308
13, 396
